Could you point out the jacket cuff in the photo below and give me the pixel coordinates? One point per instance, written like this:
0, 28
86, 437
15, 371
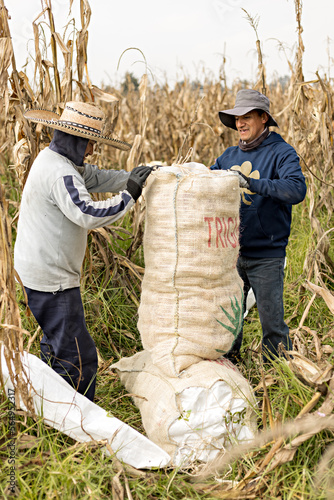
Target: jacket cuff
253, 184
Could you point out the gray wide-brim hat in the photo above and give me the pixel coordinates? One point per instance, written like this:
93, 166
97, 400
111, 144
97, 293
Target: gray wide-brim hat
246, 101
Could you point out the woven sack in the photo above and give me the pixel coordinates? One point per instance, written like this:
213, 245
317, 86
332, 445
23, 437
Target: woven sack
191, 300
208, 408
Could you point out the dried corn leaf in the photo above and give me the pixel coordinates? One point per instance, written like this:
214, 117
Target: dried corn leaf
5, 54
5, 145
38, 55
47, 64
130, 471
309, 372
268, 380
327, 406
324, 293
27, 442
21, 152
82, 38
117, 488
60, 42
250, 490
287, 453
26, 85
135, 152
103, 95
10, 321
6, 58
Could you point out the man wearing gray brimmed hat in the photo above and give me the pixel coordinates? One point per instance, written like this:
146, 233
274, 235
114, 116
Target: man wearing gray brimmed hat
55, 215
271, 181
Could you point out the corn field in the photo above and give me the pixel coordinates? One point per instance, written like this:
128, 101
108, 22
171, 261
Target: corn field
170, 125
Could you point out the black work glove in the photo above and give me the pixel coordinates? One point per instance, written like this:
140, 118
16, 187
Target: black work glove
137, 179
243, 179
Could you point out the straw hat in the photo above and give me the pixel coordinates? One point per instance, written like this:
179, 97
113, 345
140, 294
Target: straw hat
78, 118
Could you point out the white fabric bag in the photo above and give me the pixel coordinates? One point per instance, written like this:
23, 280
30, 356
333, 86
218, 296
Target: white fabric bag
208, 408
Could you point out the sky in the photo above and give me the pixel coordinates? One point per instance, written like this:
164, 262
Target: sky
187, 38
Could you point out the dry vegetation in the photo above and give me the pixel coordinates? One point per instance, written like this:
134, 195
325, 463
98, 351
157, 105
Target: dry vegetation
168, 124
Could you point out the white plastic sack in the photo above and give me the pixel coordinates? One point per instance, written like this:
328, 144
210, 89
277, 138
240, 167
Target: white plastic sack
250, 302
191, 300
209, 407
76, 416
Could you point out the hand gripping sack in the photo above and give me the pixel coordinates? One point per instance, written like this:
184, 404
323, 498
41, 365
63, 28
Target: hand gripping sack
191, 300
208, 408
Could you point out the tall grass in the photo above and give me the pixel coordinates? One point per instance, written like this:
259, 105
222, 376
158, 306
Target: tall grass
51, 463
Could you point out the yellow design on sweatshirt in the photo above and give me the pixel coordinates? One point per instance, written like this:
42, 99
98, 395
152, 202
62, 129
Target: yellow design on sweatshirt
246, 169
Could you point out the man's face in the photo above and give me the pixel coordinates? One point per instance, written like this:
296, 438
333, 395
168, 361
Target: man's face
90, 148
251, 125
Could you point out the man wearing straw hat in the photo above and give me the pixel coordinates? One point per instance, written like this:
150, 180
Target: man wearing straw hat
55, 215
271, 181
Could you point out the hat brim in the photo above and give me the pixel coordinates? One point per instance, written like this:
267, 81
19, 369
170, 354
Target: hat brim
50, 119
227, 117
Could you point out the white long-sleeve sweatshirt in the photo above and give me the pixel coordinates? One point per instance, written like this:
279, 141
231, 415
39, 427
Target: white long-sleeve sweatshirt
55, 215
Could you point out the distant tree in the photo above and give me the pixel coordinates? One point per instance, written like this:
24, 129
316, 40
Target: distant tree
195, 84
130, 82
282, 80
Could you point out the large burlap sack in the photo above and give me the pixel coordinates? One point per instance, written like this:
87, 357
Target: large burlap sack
191, 300
209, 407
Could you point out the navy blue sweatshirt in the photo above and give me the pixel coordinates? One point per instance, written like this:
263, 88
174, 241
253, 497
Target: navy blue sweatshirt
265, 223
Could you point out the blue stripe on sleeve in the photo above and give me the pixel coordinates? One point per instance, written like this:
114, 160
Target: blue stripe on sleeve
89, 209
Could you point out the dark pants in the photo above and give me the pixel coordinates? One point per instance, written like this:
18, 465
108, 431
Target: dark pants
266, 278
66, 345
